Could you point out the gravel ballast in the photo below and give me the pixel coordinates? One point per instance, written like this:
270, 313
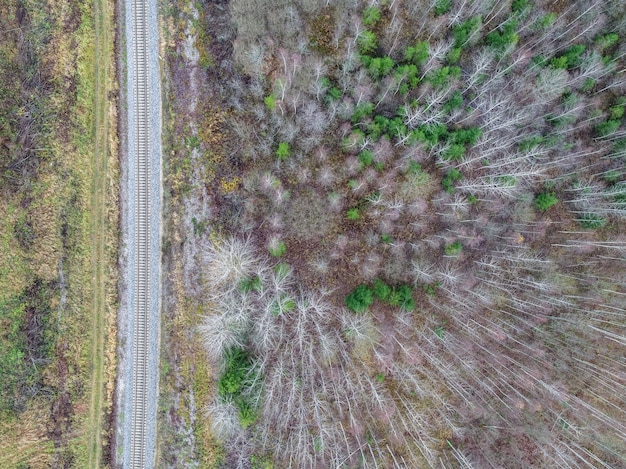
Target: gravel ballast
128, 257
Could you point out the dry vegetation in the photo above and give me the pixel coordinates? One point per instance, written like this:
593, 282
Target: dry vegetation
397, 228
49, 193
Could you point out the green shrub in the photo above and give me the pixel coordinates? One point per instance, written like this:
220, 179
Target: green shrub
591, 221
465, 31
573, 54
453, 249
612, 176
443, 76
519, 5
570, 58
454, 152
616, 112
407, 75
455, 101
451, 176
381, 290
430, 288
353, 214
606, 41
333, 93
270, 102
468, 136
379, 67
417, 54
360, 299
361, 111
382, 126
545, 200
258, 462
282, 304
366, 158
283, 151
453, 55
371, 16
430, 134
238, 365
414, 168
247, 414
607, 127
504, 37
251, 284
277, 248
442, 7
367, 42
559, 62
547, 20
402, 296
282, 270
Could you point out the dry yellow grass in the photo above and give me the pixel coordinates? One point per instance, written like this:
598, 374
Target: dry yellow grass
24, 441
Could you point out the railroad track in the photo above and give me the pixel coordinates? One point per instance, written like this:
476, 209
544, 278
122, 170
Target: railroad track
138, 457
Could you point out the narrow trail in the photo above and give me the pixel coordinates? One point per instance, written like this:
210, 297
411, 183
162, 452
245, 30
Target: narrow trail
98, 235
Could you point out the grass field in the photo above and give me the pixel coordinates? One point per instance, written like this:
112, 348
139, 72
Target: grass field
58, 199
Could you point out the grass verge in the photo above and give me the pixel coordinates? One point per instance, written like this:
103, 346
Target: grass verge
59, 233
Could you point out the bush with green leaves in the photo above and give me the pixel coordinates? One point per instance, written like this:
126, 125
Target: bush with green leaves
570, 59
361, 111
238, 366
545, 201
270, 102
606, 40
431, 288
467, 32
505, 36
453, 55
283, 151
453, 249
407, 77
378, 67
359, 299
591, 221
449, 178
455, 101
277, 248
518, 6
371, 16
547, 20
468, 136
366, 158
353, 214
282, 304
454, 152
367, 42
417, 54
251, 284
442, 7
236, 382
443, 76
381, 290
402, 296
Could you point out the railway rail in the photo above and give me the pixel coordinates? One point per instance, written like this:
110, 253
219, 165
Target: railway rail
139, 455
